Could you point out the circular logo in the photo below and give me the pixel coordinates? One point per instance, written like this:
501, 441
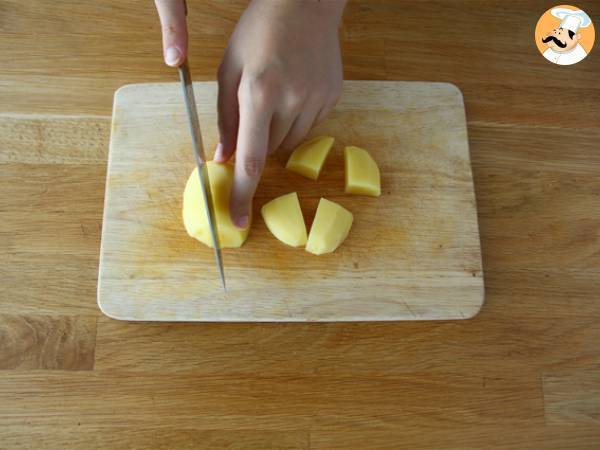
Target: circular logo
565, 35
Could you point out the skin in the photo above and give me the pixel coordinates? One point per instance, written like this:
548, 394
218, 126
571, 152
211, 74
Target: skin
281, 74
563, 36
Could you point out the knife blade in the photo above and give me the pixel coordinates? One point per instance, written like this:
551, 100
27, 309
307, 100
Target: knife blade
200, 157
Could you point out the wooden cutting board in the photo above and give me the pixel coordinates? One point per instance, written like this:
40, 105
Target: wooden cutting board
412, 253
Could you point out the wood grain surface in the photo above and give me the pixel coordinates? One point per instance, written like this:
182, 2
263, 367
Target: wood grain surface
413, 253
521, 374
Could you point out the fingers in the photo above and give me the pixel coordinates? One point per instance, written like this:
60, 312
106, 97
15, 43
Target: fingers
326, 109
174, 30
228, 111
252, 143
292, 102
281, 124
299, 129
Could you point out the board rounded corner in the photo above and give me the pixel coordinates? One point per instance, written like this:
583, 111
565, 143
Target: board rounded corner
122, 90
104, 309
476, 308
454, 88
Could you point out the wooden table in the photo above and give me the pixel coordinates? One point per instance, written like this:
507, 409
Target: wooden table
525, 373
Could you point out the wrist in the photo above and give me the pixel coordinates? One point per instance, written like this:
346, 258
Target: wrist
332, 9
328, 12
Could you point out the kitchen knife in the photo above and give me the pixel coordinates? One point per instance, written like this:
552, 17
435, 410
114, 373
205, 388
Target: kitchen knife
190, 104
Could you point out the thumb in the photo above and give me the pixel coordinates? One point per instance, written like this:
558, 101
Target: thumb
172, 14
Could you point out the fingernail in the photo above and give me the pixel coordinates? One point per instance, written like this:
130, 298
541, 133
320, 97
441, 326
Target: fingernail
219, 152
241, 222
172, 56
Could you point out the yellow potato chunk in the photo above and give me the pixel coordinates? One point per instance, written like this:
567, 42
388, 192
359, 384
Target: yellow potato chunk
194, 208
362, 173
331, 226
284, 219
308, 158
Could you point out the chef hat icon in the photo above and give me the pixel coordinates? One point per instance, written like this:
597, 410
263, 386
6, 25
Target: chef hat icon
571, 19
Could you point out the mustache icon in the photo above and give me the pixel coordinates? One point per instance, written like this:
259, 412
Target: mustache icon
555, 40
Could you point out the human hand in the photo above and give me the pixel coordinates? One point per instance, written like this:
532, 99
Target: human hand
281, 74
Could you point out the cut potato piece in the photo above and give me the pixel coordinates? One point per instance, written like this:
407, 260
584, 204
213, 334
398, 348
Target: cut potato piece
362, 173
331, 226
194, 208
308, 158
284, 219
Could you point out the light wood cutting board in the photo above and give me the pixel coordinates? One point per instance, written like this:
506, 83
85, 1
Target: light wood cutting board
412, 253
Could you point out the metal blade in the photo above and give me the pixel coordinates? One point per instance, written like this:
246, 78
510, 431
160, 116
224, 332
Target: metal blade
190, 103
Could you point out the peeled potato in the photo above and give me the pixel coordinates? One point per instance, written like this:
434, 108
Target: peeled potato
284, 219
308, 158
330, 228
194, 208
362, 173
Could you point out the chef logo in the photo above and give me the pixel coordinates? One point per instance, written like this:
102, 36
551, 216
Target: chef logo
564, 35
